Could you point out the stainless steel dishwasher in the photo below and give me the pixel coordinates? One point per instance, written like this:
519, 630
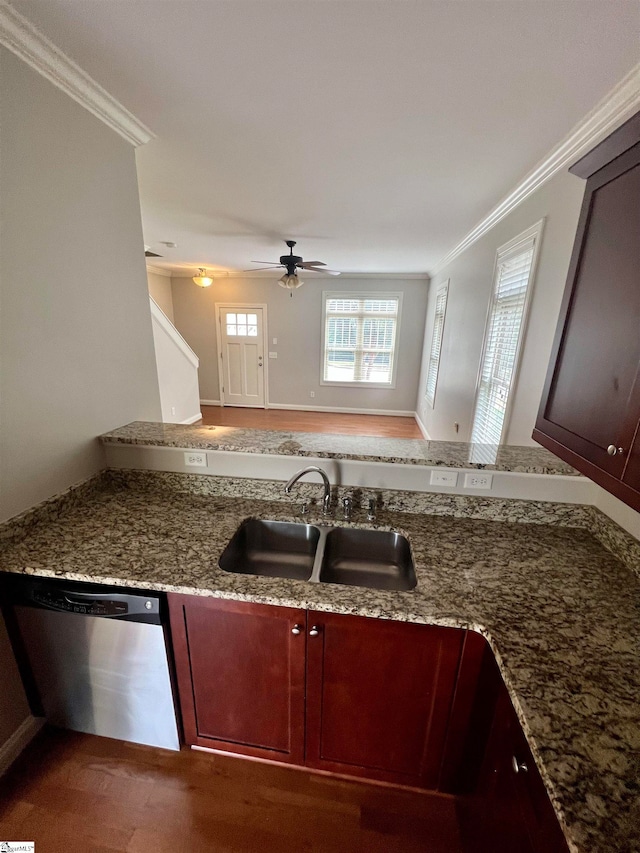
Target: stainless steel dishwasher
98, 658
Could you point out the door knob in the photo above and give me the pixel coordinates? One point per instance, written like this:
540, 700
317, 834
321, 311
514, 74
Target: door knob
296, 629
612, 450
314, 631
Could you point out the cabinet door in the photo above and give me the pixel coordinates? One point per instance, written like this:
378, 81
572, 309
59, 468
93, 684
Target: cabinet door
509, 809
591, 400
241, 673
378, 696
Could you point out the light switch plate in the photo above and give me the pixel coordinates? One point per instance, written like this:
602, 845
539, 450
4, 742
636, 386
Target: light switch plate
195, 460
273, 355
444, 478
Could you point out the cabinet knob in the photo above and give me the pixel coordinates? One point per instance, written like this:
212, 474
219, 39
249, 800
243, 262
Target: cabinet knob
296, 629
314, 631
612, 450
518, 766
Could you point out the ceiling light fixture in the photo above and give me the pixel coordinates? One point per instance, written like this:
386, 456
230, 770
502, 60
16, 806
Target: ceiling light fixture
290, 281
202, 279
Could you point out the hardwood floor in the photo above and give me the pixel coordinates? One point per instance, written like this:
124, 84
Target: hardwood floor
71, 792
384, 426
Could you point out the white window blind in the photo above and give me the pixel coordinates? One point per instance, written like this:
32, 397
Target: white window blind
436, 343
360, 338
503, 337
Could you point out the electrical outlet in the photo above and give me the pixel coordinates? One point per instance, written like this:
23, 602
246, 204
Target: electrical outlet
478, 481
195, 460
275, 342
312, 393
444, 478
173, 410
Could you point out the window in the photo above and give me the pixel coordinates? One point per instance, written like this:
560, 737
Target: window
514, 270
242, 325
359, 338
436, 343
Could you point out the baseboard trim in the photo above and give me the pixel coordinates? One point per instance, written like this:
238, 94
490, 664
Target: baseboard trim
210, 403
421, 427
193, 419
291, 407
22, 736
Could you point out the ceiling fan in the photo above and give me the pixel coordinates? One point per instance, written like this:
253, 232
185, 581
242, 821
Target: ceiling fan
292, 263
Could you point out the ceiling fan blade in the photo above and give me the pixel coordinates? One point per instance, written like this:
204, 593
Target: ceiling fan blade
266, 262
306, 264
322, 270
276, 267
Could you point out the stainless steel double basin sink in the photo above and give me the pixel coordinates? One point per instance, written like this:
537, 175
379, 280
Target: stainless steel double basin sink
378, 559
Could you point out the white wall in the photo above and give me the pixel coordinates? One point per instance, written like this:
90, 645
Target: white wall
160, 292
470, 286
177, 367
296, 322
76, 350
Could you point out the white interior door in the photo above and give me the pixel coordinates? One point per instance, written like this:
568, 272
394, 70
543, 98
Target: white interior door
242, 355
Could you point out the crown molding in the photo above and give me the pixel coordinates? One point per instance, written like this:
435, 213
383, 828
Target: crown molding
158, 271
274, 274
20, 36
614, 109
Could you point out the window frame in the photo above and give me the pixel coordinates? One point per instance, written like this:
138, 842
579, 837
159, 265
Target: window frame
504, 253
444, 286
360, 294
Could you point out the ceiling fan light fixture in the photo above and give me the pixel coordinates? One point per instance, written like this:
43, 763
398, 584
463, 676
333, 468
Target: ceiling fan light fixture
290, 281
202, 279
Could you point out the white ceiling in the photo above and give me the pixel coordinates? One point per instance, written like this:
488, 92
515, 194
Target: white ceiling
376, 132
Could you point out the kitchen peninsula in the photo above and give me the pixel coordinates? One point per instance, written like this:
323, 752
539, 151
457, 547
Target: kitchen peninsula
558, 609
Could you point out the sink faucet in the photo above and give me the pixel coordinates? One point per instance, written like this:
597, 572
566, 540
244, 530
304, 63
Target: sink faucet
314, 469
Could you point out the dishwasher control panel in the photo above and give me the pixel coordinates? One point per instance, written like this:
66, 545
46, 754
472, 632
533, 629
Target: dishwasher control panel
69, 604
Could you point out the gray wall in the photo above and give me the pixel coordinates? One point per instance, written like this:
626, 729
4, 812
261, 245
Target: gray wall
76, 352
470, 276
296, 322
160, 291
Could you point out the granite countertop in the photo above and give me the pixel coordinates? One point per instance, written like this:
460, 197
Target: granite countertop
408, 451
560, 612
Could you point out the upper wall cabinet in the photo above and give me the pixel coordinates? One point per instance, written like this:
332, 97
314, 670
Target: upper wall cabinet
590, 409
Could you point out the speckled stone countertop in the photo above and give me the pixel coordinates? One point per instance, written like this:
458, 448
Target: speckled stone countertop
409, 451
560, 612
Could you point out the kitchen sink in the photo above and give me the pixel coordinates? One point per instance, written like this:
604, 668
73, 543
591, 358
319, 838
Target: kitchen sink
275, 549
378, 559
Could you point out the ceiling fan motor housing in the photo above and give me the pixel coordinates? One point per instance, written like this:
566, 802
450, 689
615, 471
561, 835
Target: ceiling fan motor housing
290, 262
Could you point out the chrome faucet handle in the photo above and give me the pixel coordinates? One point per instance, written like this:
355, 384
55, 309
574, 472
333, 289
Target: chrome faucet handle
347, 505
371, 509
326, 504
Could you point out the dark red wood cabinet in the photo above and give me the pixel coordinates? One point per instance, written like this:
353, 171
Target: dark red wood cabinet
364, 697
241, 673
503, 803
409, 704
379, 696
590, 409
